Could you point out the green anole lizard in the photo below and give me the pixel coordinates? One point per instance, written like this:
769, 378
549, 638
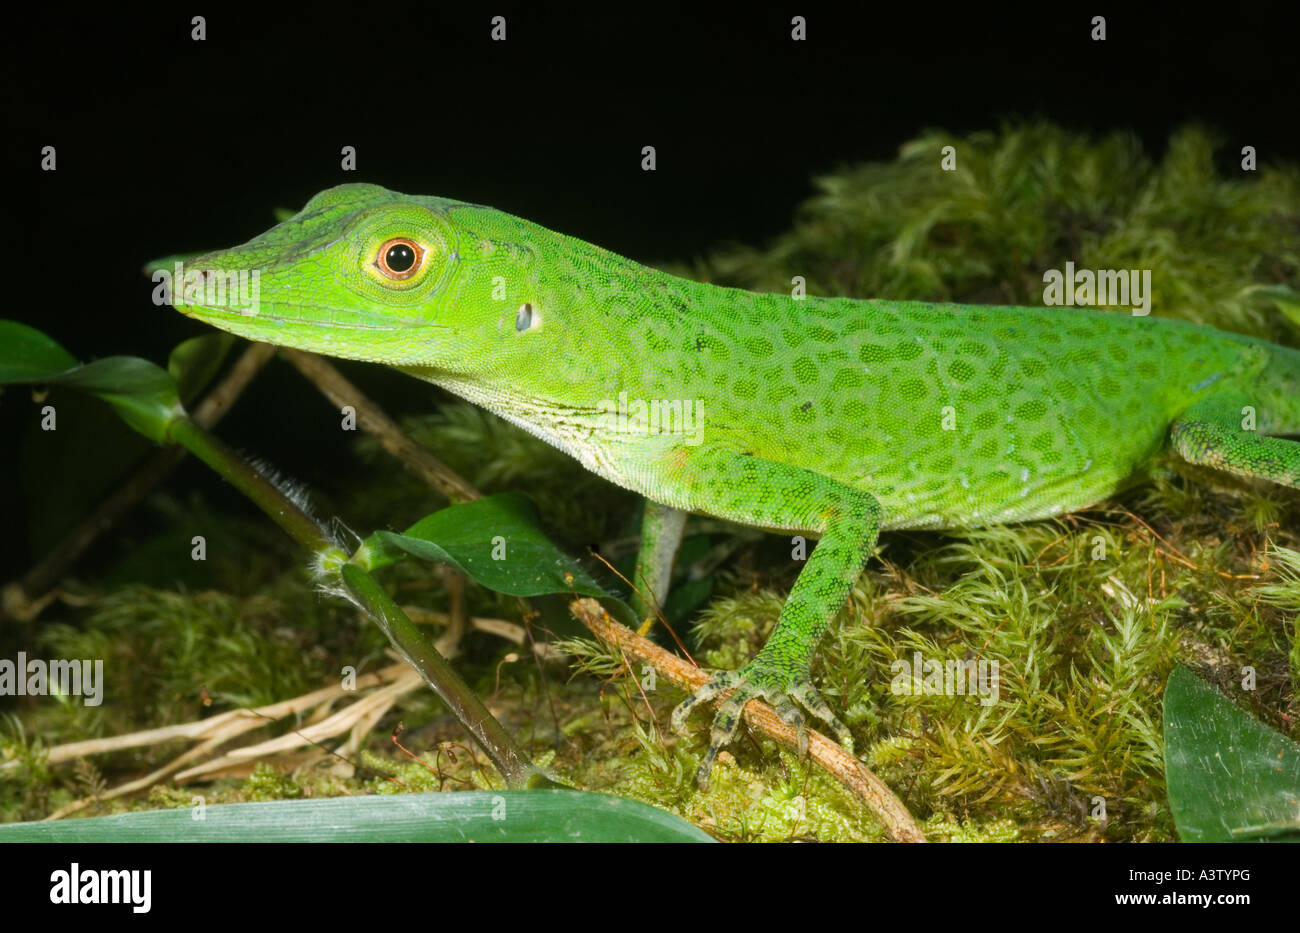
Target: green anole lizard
829, 417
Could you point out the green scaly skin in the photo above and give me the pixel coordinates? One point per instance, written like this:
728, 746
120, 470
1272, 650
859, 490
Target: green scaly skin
828, 417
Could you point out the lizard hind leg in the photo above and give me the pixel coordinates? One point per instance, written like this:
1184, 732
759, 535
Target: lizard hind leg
1218, 432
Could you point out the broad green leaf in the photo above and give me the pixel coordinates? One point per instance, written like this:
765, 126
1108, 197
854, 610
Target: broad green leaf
144, 395
495, 541
466, 816
27, 355
194, 362
1229, 777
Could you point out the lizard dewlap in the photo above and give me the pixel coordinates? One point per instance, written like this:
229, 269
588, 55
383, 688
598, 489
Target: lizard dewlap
831, 417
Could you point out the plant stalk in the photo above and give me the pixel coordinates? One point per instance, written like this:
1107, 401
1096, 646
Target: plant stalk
519, 772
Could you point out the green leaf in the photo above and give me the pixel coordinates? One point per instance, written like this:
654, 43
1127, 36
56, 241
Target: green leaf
27, 355
193, 363
467, 816
144, 395
495, 541
1229, 777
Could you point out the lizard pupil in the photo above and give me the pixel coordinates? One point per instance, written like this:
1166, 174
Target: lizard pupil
400, 257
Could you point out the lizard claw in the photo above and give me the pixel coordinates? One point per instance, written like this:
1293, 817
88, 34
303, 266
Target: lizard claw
759, 679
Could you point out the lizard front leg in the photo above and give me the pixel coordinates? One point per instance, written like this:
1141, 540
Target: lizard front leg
661, 535
760, 492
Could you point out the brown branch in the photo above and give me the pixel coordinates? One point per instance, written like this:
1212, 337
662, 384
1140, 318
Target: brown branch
850, 772
372, 419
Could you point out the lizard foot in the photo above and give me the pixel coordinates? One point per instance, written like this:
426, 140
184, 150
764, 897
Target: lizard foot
759, 679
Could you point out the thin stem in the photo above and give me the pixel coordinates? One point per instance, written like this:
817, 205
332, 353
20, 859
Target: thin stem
242, 475
513, 764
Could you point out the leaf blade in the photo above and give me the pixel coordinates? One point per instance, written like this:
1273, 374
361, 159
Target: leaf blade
496, 541
28, 355
463, 816
1229, 777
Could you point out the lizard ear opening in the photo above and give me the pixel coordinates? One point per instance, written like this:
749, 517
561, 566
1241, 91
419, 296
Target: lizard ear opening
525, 318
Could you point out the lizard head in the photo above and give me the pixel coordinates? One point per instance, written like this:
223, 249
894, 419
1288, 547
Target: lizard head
437, 287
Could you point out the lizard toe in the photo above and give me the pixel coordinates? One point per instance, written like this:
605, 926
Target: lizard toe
718, 683
793, 716
726, 723
807, 694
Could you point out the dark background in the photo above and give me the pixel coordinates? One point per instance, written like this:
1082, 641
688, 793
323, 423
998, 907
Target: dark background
166, 145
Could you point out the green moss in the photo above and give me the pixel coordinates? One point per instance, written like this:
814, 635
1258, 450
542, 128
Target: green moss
943, 827
266, 783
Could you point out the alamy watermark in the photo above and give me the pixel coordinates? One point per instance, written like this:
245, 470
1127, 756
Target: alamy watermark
1121, 288
34, 677
237, 290
952, 677
683, 417
75, 885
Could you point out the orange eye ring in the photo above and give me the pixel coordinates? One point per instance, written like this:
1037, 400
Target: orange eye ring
400, 258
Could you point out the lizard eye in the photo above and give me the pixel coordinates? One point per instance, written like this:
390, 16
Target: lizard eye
399, 258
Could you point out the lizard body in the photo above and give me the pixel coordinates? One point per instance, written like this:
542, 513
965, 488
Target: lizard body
831, 417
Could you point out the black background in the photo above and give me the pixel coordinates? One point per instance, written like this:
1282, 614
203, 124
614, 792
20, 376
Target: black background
166, 145
943, 883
